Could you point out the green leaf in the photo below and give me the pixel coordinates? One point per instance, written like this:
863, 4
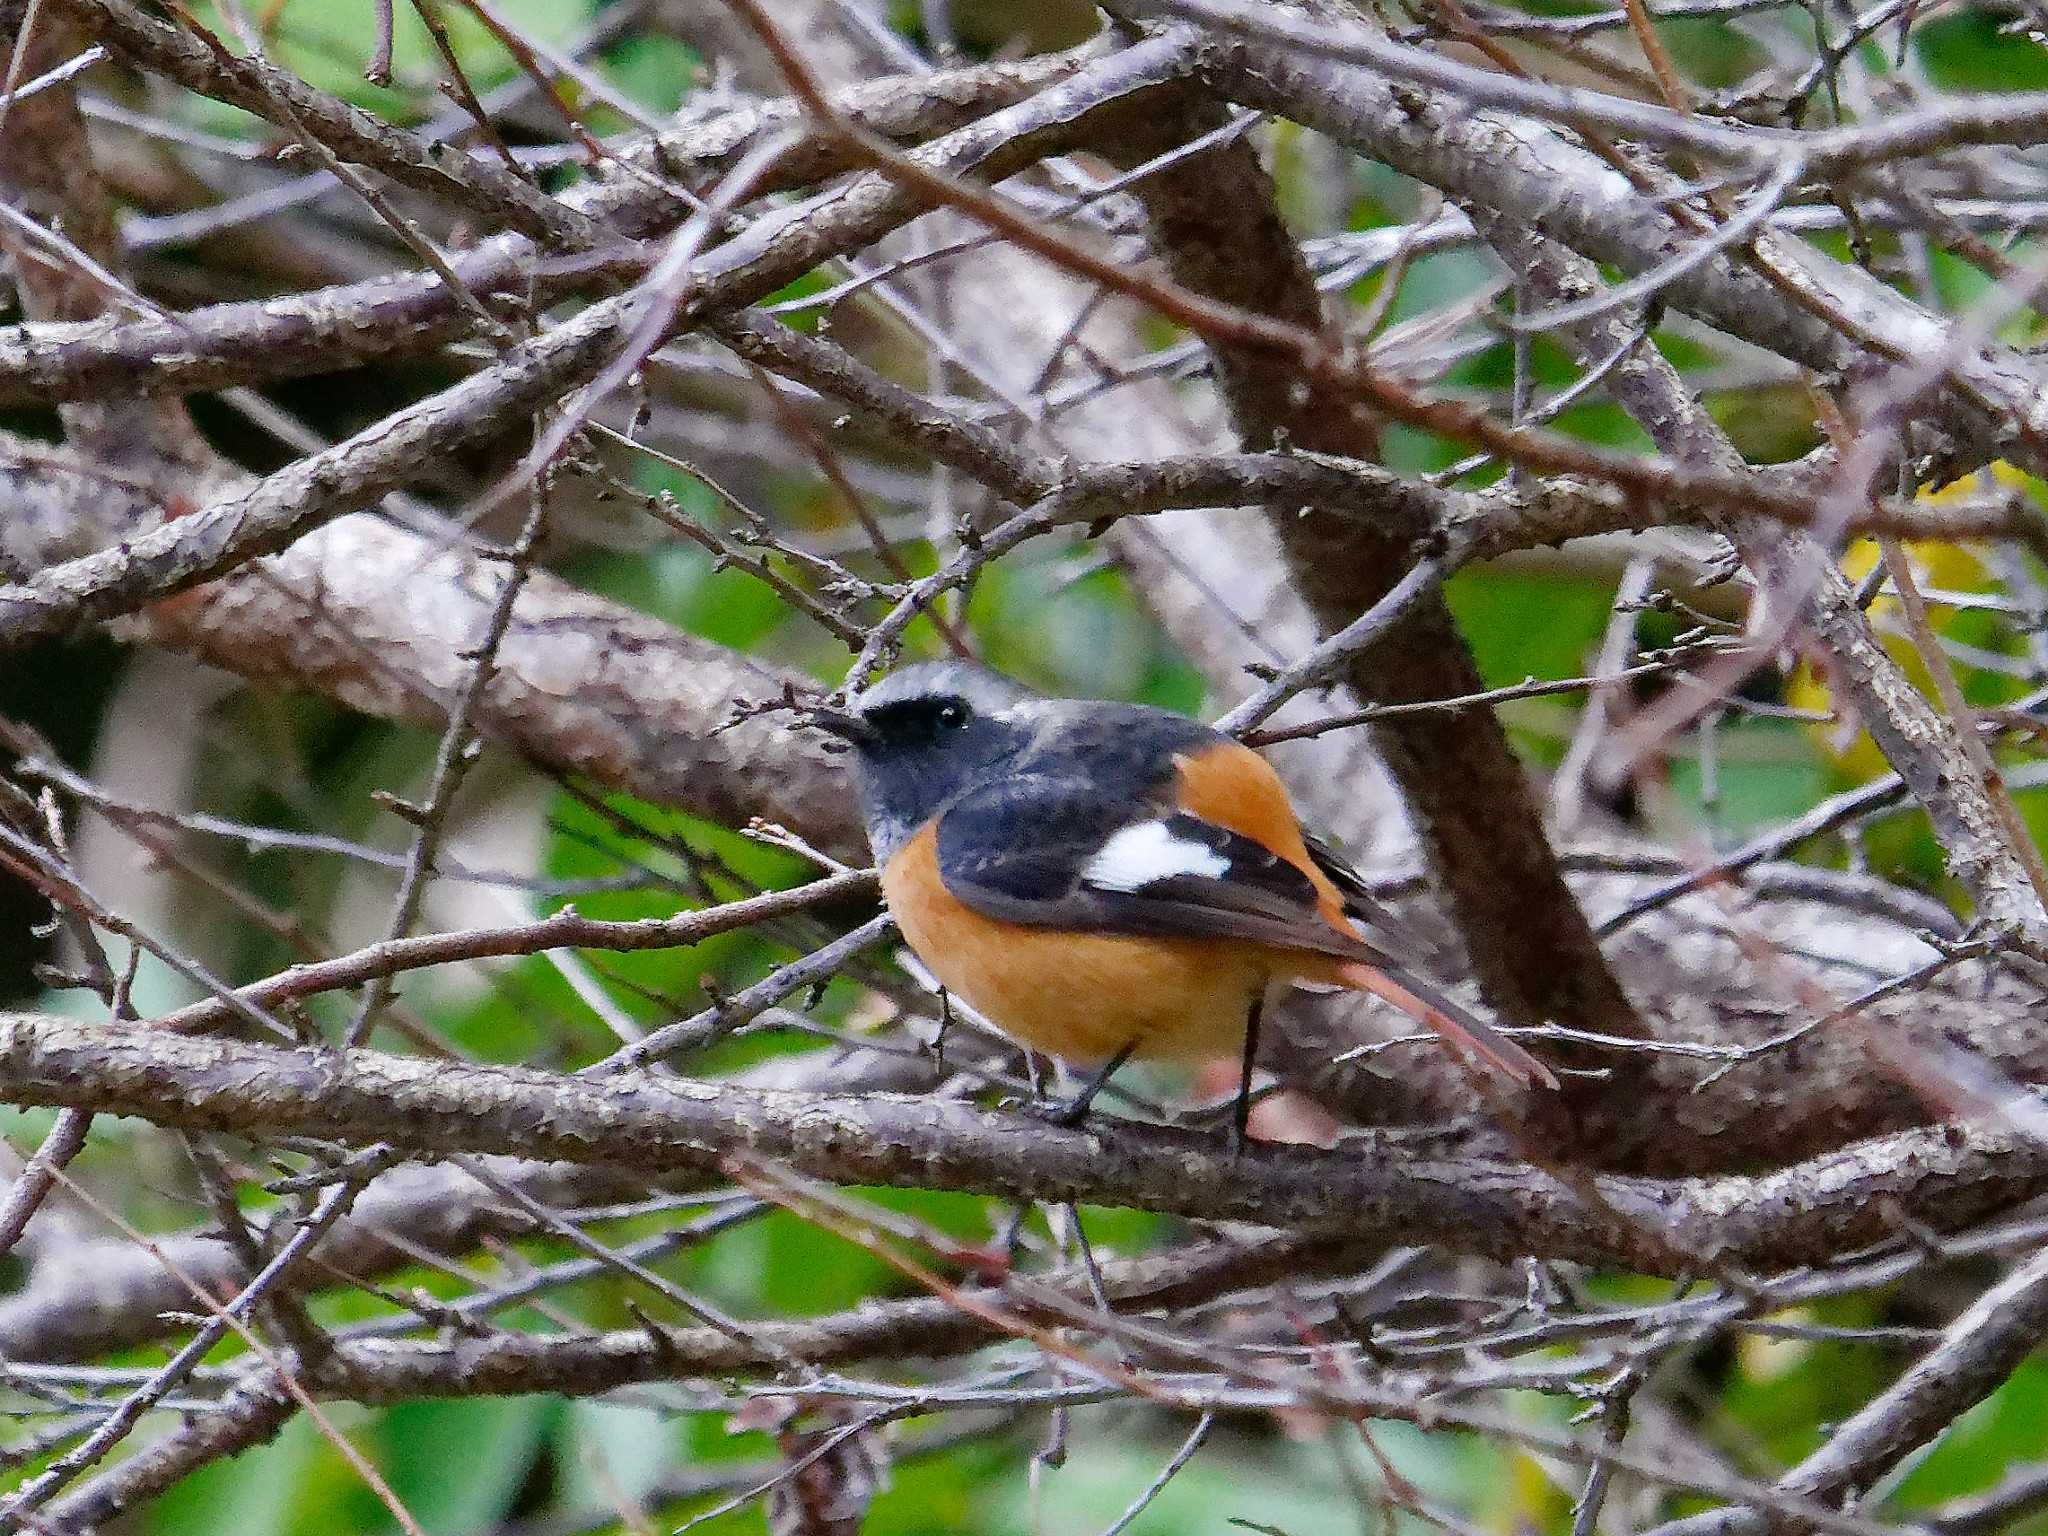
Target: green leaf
457, 1465
1975, 50
606, 1453
263, 1492
2008, 1428
1528, 624
654, 71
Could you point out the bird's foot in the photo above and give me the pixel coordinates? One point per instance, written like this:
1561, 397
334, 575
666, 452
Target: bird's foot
1066, 1113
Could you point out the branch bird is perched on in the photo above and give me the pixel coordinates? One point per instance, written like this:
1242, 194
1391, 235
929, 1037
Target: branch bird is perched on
1103, 881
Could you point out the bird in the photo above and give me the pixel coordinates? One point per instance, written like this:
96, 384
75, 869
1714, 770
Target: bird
1107, 881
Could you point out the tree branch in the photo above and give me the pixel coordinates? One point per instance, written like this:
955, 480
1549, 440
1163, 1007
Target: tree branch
1831, 1205
1995, 400
1922, 744
405, 313
1982, 1347
382, 457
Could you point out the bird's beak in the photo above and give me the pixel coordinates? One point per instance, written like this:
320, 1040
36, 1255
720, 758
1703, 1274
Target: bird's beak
847, 727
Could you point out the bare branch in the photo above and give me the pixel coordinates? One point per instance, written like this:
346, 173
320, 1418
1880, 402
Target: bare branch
1810, 1212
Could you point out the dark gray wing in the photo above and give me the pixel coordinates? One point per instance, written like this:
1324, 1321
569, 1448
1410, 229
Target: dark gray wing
1056, 852
1360, 902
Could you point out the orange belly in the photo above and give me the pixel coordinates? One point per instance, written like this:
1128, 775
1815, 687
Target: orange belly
1080, 997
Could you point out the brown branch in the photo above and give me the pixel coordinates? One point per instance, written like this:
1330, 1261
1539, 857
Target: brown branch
1510, 515
48, 173
376, 618
1977, 1352
1321, 361
85, 1298
480, 183
504, 1363
1994, 400
561, 930
632, 1122
250, 1413
927, 1326
1919, 741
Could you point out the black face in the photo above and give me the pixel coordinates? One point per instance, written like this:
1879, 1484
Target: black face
926, 733
918, 724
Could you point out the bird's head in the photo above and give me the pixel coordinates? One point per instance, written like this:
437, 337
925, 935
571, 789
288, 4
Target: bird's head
922, 734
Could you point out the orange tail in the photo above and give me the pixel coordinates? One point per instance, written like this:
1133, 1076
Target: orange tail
1471, 1035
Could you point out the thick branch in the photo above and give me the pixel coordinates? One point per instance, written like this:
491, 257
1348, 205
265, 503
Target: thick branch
633, 1122
379, 618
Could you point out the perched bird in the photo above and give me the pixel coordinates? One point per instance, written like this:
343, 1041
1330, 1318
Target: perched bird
1107, 881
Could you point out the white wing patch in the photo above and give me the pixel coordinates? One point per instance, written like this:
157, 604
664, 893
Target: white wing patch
1148, 851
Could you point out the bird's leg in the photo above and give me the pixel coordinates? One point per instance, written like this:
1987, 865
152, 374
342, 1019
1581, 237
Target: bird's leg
945, 1028
1241, 1111
1034, 1101
1013, 1232
1075, 1110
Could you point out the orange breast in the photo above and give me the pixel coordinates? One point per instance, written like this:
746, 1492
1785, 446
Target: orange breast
1078, 996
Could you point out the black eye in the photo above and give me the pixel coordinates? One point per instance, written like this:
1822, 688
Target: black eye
953, 714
